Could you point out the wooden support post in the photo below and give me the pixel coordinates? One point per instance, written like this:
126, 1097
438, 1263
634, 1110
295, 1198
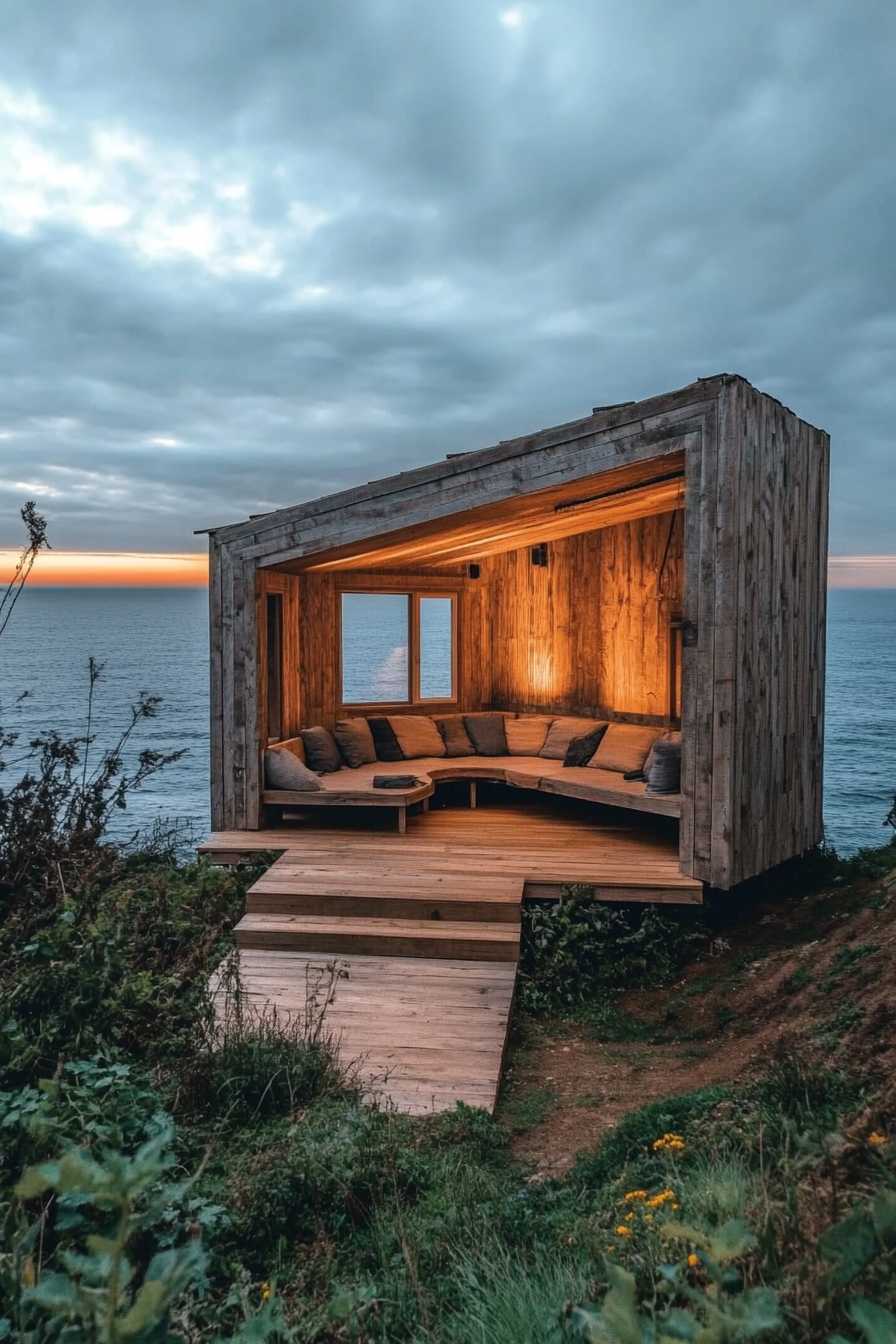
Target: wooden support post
425, 804
472, 794
402, 820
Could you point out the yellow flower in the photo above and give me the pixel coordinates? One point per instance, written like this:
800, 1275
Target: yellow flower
676, 1206
648, 1217
623, 1231
629, 1216
669, 1143
693, 1260
635, 1194
876, 1139
265, 1291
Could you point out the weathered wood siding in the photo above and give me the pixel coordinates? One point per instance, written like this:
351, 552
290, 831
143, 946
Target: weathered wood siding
778, 635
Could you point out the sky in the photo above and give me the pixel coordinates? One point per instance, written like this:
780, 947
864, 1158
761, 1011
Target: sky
252, 253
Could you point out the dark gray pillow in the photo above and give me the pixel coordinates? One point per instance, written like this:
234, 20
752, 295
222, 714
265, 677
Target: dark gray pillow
486, 732
384, 739
581, 749
321, 751
355, 741
664, 774
283, 770
454, 735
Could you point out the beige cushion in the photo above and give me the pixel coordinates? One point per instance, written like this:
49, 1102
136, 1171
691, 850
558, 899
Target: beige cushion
417, 736
562, 732
624, 747
526, 735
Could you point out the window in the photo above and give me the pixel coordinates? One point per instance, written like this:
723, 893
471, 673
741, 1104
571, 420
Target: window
398, 648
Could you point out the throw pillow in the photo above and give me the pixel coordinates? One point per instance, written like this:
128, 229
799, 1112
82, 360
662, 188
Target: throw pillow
283, 770
417, 736
355, 741
625, 747
526, 735
562, 732
664, 772
384, 739
581, 749
321, 751
454, 735
293, 744
486, 732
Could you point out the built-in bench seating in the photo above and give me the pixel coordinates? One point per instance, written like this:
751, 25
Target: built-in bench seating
354, 787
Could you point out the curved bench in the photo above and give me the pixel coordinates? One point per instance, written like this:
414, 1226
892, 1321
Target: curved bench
354, 788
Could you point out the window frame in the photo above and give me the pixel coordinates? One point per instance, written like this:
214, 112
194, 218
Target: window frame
414, 594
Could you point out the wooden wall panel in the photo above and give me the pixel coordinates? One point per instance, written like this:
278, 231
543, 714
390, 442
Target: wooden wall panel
590, 632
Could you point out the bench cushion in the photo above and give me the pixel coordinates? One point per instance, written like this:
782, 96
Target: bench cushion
526, 735
321, 751
417, 736
355, 741
624, 747
454, 735
486, 732
284, 770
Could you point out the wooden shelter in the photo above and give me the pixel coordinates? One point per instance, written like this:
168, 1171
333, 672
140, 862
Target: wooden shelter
662, 562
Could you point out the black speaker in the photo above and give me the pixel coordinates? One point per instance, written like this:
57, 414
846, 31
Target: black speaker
540, 555
472, 571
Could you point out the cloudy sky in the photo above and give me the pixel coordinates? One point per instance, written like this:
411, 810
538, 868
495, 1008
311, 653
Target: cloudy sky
251, 252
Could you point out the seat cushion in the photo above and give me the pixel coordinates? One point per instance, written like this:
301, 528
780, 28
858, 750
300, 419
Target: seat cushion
284, 770
561, 733
321, 751
486, 732
454, 735
384, 739
624, 747
417, 736
355, 741
526, 735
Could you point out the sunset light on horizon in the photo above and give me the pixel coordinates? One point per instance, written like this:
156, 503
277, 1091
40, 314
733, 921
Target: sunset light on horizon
108, 569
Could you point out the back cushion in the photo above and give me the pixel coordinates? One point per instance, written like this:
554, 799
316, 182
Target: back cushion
355, 741
663, 772
562, 732
486, 732
526, 735
417, 736
454, 735
321, 751
284, 770
624, 747
384, 739
293, 744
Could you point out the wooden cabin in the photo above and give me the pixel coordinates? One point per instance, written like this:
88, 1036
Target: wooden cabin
660, 562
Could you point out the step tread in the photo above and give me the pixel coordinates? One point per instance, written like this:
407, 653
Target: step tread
341, 924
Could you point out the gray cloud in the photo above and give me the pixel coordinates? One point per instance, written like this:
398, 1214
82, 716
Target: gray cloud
252, 253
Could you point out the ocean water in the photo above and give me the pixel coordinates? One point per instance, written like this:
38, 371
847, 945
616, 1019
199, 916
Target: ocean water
157, 640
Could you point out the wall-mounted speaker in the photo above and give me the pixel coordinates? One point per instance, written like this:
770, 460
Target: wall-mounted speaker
540, 555
472, 571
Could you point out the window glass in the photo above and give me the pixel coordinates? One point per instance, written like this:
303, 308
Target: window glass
374, 648
436, 648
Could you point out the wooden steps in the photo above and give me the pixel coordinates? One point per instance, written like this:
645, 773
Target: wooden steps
465, 940
427, 927
424, 1034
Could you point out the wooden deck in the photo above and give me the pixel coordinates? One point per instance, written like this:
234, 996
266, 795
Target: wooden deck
427, 925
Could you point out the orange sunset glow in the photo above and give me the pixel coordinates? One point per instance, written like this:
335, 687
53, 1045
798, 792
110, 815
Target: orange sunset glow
106, 569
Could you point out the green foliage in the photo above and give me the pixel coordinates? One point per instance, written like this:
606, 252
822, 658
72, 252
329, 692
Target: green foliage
577, 949
632, 1139
524, 1112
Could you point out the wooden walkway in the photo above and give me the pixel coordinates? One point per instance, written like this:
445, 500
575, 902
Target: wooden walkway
427, 926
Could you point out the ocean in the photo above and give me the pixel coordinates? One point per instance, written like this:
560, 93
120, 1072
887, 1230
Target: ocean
156, 640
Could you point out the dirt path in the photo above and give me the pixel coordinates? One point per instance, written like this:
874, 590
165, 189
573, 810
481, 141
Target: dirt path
816, 975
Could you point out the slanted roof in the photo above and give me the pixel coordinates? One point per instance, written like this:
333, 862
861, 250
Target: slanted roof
618, 463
